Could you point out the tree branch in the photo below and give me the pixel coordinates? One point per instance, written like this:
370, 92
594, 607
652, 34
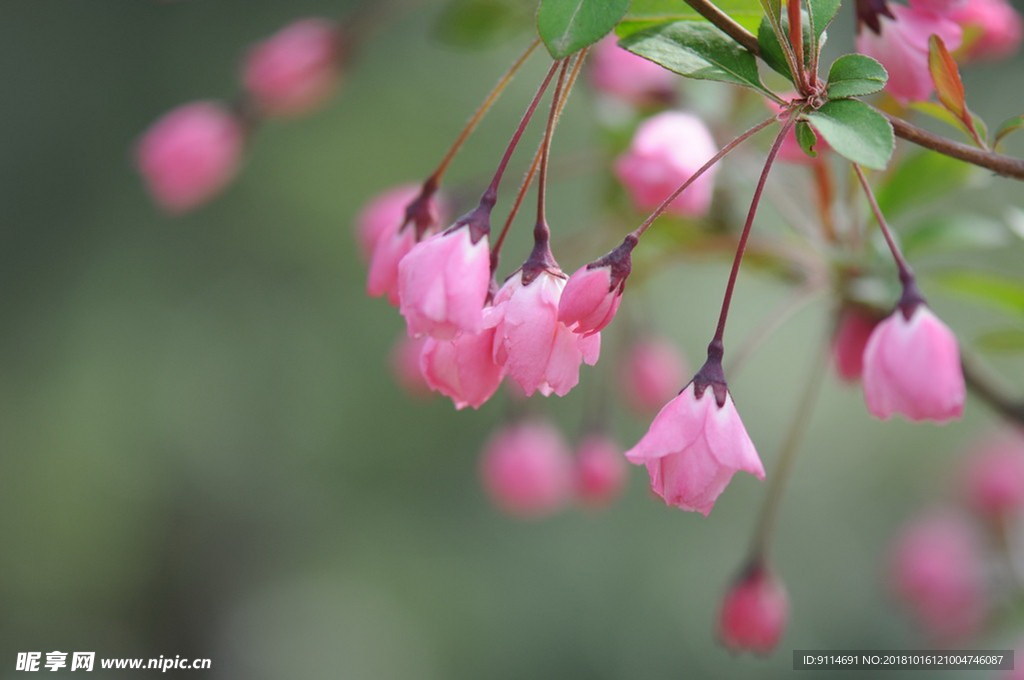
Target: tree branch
1006, 166
984, 389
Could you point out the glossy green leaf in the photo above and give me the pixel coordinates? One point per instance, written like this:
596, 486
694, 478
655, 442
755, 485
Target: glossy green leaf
696, 50
856, 131
771, 50
567, 26
1008, 127
919, 178
996, 290
954, 233
1002, 341
855, 75
807, 139
646, 13
822, 14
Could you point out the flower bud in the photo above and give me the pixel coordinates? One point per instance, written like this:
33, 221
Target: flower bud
600, 470
295, 70
382, 214
190, 154
993, 29
994, 478
853, 329
592, 295
912, 367
394, 243
526, 469
666, 150
650, 374
754, 613
621, 74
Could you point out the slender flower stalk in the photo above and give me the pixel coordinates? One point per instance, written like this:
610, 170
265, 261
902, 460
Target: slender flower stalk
796, 39
901, 263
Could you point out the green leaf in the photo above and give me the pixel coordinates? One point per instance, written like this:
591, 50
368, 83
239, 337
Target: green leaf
996, 290
771, 50
772, 8
807, 139
696, 50
954, 233
920, 178
646, 13
1007, 127
856, 131
855, 75
822, 14
480, 23
1003, 340
567, 26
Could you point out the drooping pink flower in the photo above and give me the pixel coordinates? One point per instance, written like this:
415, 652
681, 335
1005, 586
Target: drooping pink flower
754, 612
912, 367
462, 369
443, 283
993, 29
600, 470
190, 154
538, 351
296, 69
650, 374
902, 48
938, 572
382, 214
405, 365
994, 477
694, 447
526, 469
666, 150
593, 293
393, 243
851, 337
621, 74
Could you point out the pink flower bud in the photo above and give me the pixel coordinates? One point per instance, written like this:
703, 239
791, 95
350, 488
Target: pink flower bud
693, 448
526, 469
600, 470
405, 365
902, 48
651, 372
462, 369
912, 367
296, 69
666, 150
994, 479
993, 29
938, 572
393, 243
383, 214
537, 350
190, 154
620, 73
754, 613
443, 284
590, 299
851, 337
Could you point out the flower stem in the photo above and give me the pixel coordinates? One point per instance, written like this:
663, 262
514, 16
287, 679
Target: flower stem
906, 274
545, 148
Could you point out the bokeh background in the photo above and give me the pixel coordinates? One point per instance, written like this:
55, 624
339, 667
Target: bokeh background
204, 453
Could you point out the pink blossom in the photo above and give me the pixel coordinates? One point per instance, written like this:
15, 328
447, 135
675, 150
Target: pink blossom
600, 470
994, 479
590, 300
443, 283
851, 337
902, 48
190, 154
462, 369
296, 69
526, 469
754, 612
938, 572
666, 150
383, 214
405, 365
912, 367
393, 243
538, 351
993, 29
651, 372
693, 448
936, 6
620, 73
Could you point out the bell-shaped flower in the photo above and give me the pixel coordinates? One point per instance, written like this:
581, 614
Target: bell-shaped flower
526, 469
593, 293
600, 470
382, 214
463, 368
393, 243
853, 329
754, 612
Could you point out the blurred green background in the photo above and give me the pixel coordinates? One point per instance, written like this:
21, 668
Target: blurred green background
203, 451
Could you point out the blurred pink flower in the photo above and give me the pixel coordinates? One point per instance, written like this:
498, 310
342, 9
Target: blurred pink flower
754, 612
600, 470
462, 369
993, 29
617, 72
851, 337
526, 469
994, 476
651, 372
394, 242
381, 214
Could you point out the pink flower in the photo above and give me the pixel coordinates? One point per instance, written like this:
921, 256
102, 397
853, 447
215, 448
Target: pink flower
592, 295
912, 367
383, 214
994, 479
666, 150
851, 337
617, 72
938, 572
393, 243
693, 448
754, 612
902, 48
296, 69
993, 29
600, 470
405, 365
538, 351
462, 369
526, 469
936, 6
443, 283
650, 375
190, 154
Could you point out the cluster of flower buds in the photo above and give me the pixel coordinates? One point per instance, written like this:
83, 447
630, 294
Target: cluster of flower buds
190, 154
